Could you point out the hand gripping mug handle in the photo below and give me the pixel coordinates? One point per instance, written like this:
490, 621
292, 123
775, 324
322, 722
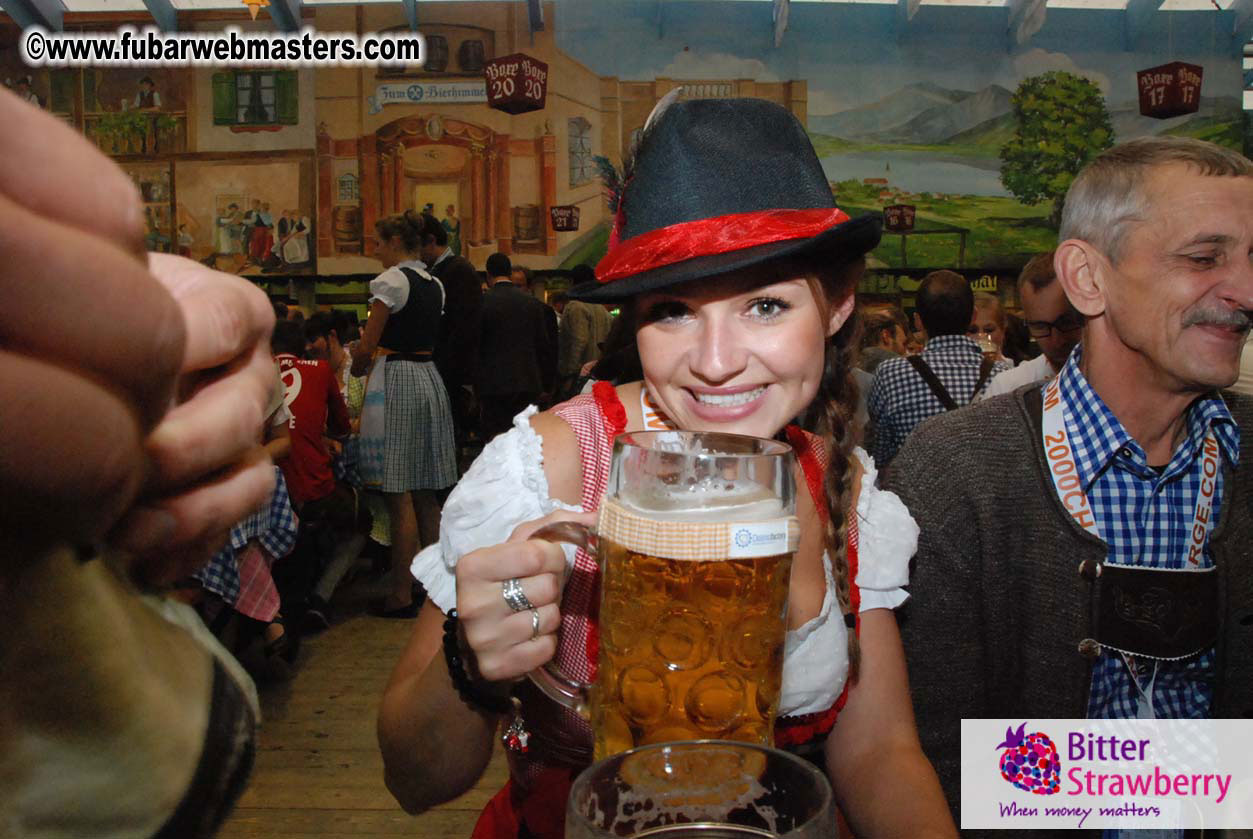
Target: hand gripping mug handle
549, 678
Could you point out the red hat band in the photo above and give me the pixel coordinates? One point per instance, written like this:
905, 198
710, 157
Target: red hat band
707, 237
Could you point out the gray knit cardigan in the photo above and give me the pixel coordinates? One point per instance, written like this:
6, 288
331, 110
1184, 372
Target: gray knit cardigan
997, 607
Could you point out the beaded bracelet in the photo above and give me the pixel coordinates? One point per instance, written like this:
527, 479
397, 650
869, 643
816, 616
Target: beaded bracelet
471, 693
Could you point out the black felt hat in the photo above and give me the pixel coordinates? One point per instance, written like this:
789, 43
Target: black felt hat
720, 185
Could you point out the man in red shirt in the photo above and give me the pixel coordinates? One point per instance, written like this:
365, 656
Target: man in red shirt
317, 409
330, 515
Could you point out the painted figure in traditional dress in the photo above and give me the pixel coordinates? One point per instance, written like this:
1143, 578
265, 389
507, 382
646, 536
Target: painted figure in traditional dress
147, 99
228, 227
185, 241
229, 231
258, 227
453, 225
24, 92
154, 239
295, 248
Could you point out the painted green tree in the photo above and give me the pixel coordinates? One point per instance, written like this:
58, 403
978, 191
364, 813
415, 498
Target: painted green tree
1060, 124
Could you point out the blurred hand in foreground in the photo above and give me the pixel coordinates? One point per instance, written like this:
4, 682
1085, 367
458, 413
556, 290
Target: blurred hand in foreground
133, 384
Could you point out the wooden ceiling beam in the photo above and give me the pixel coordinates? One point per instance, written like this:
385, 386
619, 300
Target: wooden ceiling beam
164, 13
49, 14
1136, 19
286, 14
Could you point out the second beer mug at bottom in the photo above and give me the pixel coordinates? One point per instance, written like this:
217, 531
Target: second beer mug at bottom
695, 543
701, 790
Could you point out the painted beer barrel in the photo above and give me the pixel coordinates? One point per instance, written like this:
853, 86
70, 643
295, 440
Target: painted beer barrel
471, 56
436, 54
526, 223
346, 228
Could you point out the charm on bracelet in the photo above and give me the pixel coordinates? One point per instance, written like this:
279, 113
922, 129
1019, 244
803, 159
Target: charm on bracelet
515, 735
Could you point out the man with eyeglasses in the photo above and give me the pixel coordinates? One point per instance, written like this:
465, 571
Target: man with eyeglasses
1052, 322
1086, 548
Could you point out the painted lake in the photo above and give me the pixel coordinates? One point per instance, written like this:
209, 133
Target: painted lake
919, 171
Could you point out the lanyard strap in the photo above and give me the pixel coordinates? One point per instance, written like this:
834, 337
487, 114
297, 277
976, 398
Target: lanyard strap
1059, 452
654, 419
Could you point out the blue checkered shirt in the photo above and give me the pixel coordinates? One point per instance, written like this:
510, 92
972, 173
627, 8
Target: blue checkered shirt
273, 525
1145, 516
900, 398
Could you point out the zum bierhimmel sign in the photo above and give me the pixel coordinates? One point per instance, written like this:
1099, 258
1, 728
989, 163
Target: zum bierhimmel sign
430, 93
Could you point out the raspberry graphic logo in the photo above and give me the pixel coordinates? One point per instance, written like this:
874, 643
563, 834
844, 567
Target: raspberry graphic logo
1030, 761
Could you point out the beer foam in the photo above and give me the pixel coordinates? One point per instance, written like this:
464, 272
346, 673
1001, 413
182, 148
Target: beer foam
706, 501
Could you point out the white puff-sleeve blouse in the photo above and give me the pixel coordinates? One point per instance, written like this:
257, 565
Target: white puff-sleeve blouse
506, 486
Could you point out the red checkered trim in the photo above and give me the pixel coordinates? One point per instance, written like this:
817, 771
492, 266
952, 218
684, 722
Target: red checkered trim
596, 421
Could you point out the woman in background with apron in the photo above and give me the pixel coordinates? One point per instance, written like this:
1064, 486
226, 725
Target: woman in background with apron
407, 448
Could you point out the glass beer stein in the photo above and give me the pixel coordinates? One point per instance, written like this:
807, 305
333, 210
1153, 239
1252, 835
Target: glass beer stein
695, 542
710, 789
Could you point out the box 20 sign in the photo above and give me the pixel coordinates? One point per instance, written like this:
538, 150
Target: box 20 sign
516, 83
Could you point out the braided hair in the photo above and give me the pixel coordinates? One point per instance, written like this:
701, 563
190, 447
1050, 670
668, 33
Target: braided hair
831, 416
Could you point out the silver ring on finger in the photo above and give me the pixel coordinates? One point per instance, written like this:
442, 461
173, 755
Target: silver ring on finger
534, 623
511, 590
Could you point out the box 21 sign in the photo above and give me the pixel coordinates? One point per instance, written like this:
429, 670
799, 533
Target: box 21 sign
516, 83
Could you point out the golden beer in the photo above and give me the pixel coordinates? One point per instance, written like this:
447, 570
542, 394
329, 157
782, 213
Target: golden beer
689, 648
695, 541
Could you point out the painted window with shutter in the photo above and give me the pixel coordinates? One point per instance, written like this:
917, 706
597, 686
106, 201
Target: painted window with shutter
582, 167
349, 190
249, 97
224, 98
286, 98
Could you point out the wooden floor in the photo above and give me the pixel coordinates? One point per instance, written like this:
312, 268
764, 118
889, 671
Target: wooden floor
318, 771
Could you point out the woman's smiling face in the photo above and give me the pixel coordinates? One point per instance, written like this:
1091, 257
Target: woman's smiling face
731, 355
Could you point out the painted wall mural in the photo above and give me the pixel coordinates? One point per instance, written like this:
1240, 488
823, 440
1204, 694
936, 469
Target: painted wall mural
253, 218
264, 171
921, 116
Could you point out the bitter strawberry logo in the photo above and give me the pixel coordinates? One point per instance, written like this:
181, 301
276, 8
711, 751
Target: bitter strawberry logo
1030, 761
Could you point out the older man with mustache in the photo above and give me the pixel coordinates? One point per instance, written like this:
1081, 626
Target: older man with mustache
1086, 546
